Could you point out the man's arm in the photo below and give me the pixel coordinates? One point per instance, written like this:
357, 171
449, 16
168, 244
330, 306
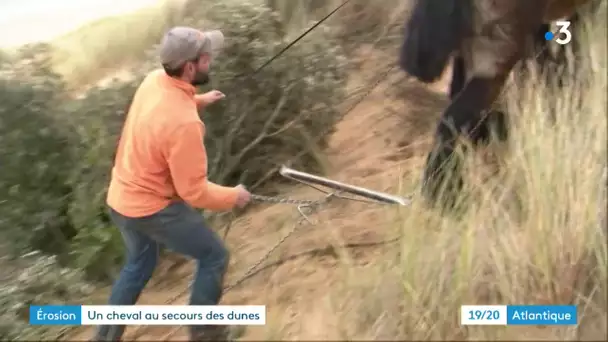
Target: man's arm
203, 100
187, 160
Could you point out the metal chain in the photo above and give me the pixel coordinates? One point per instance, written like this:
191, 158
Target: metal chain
294, 228
286, 200
310, 204
263, 258
313, 206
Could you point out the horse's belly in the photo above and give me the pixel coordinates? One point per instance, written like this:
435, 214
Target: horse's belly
490, 57
559, 9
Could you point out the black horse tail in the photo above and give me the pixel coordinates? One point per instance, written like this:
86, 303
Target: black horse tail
435, 29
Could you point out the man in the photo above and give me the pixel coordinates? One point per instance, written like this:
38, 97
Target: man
160, 176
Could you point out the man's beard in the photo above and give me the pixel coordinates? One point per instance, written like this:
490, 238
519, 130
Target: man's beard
200, 78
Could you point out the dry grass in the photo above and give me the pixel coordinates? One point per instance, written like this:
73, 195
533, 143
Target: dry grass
358, 22
535, 233
109, 44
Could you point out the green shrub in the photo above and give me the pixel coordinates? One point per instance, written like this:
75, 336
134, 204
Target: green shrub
272, 116
284, 111
97, 121
356, 23
297, 14
364, 21
5, 56
36, 157
36, 280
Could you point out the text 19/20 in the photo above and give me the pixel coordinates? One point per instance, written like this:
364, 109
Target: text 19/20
484, 315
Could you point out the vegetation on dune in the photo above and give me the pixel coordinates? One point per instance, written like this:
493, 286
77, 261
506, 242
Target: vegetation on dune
534, 231
5, 56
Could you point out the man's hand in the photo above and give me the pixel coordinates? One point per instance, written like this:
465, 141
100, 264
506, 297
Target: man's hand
209, 97
243, 196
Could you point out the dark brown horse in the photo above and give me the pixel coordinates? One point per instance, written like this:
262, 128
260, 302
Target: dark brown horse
540, 53
487, 38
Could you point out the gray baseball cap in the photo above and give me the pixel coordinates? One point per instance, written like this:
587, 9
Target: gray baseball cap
181, 44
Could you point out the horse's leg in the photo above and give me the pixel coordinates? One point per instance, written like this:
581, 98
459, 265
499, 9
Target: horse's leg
494, 124
458, 76
541, 54
442, 174
494, 121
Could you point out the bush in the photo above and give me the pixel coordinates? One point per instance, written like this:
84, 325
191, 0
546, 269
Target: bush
356, 23
296, 14
270, 117
364, 21
36, 280
36, 157
36, 154
4, 56
97, 120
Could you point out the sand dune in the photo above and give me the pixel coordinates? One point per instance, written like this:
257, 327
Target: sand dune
27, 21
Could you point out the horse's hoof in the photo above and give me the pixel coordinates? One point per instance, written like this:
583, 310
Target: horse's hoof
442, 192
443, 201
494, 125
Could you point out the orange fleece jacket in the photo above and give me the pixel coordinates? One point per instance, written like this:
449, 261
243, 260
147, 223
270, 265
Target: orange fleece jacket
161, 156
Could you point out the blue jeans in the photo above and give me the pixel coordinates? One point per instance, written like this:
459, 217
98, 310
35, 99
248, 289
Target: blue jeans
182, 229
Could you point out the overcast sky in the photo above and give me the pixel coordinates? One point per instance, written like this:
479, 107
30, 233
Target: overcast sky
26, 21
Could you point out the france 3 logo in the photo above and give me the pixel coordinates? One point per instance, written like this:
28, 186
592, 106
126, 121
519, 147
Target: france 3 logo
563, 35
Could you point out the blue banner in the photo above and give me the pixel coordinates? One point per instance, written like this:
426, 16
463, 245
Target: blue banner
542, 315
55, 315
